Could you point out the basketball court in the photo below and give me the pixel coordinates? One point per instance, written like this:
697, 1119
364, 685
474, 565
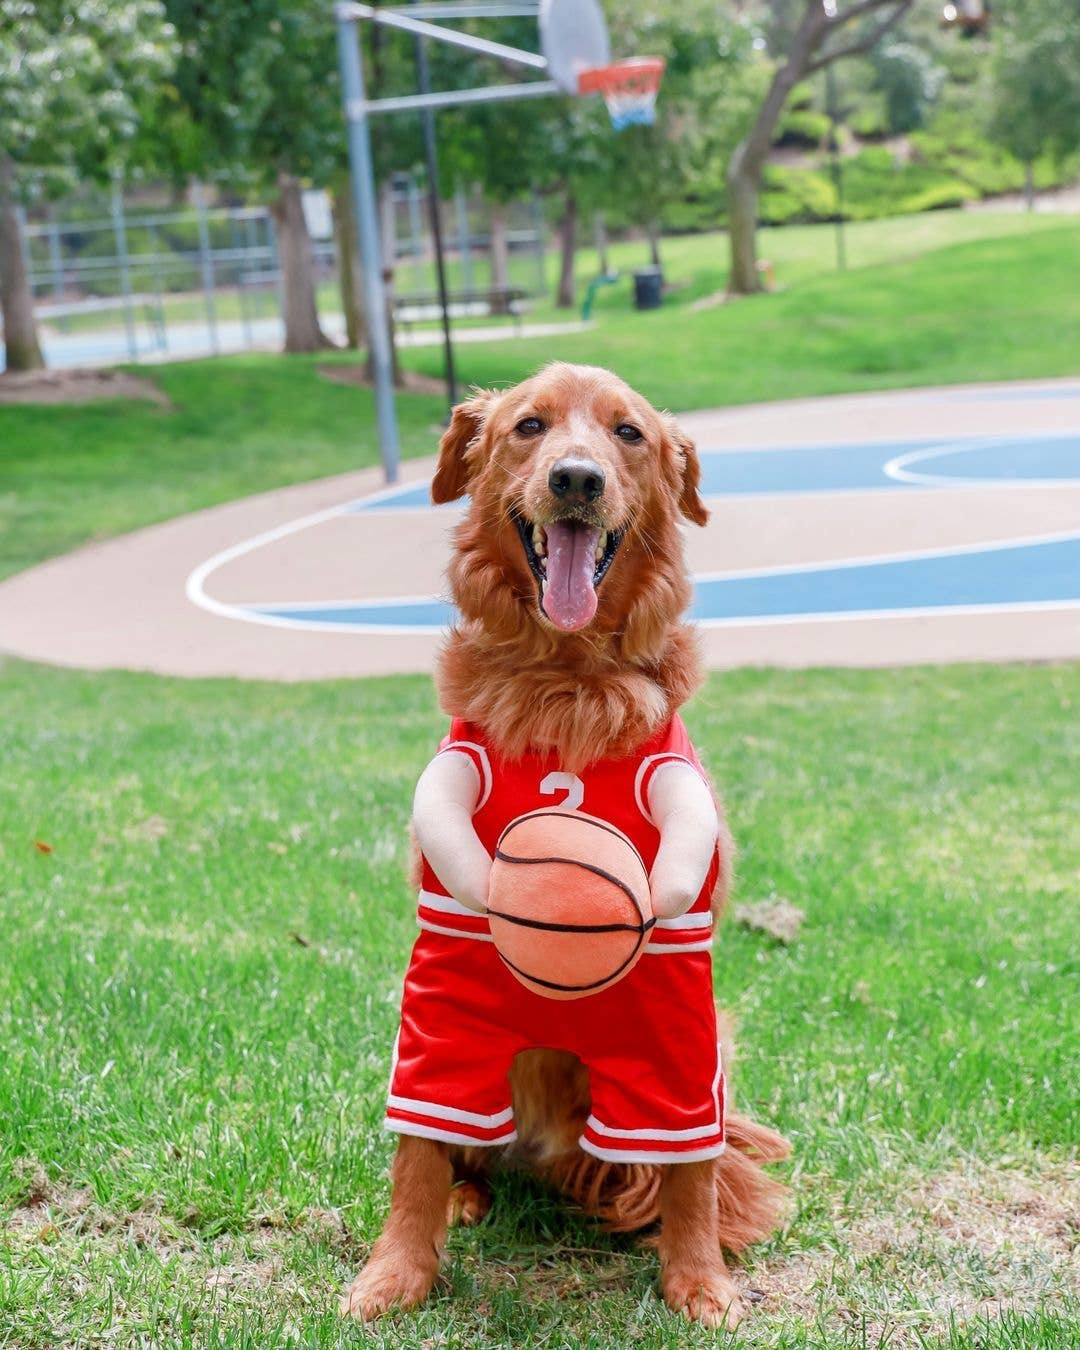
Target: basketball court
877, 529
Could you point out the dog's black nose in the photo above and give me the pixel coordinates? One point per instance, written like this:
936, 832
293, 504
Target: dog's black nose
576, 480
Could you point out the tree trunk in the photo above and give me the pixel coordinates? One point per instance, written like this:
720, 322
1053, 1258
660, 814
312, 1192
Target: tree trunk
302, 331
500, 257
564, 297
1029, 185
653, 234
350, 281
600, 231
16, 297
749, 158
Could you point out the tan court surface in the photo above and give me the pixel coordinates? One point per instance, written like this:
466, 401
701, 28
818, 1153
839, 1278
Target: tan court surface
178, 598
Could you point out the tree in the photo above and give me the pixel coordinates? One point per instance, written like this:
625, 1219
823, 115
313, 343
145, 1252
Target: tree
259, 83
1036, 83
823, 31
72, 78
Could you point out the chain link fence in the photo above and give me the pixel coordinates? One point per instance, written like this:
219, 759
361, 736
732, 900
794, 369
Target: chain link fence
137, 277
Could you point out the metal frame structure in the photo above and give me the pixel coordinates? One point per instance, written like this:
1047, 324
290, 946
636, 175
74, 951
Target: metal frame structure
358, 108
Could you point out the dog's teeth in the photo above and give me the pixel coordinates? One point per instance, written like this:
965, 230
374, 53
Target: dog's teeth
601, 546
539, 541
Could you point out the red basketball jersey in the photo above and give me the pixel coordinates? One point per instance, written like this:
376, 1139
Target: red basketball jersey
615, 790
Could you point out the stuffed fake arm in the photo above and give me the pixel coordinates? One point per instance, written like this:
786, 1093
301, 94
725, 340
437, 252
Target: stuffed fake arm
685, 814
443, 806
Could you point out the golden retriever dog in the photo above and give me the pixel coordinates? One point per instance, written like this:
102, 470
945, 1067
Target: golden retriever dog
585, 655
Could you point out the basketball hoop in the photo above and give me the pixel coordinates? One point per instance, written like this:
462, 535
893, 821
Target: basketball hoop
629, 89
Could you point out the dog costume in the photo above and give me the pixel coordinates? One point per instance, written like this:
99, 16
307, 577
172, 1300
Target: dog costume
648, 1042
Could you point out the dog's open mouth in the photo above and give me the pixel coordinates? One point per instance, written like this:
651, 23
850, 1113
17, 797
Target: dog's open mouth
569, 559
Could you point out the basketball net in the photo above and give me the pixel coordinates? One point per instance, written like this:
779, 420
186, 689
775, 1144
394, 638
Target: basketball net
629, 89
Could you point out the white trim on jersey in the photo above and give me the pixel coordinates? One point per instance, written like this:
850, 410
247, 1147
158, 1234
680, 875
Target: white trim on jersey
619, 1155
446, 1136
701, 919
668, 948
452, 1113
456, 932
665, 756
446, 904
463, 748
669, 1136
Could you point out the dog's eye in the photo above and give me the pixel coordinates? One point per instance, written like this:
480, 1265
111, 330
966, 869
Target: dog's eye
529, 426
626, 432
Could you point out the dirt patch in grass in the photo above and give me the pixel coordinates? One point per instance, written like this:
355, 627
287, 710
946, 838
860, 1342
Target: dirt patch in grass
76, 386
779, 918
356, 376
965, 1244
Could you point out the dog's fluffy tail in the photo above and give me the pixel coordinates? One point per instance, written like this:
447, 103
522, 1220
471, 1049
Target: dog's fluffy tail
625, 1197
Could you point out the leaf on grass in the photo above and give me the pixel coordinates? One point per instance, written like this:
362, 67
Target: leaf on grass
778, 918
300, 940
42, 846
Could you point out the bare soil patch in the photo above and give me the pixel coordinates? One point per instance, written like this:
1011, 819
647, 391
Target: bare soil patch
76, 386
356, 376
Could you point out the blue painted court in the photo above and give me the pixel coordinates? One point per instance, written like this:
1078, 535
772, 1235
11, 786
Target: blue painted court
1030, 572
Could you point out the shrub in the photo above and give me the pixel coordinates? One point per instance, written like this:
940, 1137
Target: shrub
790, 195
802, 127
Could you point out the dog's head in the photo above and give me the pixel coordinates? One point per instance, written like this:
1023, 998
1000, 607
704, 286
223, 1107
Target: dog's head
576, 485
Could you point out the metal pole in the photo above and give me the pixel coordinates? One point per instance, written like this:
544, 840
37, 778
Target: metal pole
241, 278
416, 246
427, 118
206, 268
120, 236
464, 239
56, 262
837, 170
367, 224
539, 241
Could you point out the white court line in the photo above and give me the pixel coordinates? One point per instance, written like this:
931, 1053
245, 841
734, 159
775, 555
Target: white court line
824, 616
897, 469
874, 559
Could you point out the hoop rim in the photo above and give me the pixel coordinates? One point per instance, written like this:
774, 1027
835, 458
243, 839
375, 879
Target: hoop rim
619, 75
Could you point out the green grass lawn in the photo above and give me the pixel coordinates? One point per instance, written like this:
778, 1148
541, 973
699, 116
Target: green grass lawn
199, 998
910, 311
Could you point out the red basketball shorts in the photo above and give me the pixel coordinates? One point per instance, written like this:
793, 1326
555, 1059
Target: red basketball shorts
649, 1045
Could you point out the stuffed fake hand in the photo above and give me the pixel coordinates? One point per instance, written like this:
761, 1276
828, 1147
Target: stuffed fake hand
443, 807
685, 814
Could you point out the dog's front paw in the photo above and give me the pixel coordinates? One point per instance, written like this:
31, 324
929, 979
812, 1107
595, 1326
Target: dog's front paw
383, 1285
706, 1297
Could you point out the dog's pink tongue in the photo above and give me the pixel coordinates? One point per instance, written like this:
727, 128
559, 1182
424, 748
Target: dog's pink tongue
569, 595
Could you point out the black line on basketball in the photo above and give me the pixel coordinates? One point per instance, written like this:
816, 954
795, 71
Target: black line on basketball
573, 815
575, 862
571, 927
576, 988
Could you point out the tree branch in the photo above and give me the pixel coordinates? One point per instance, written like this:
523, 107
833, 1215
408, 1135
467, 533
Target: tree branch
861, 45
855, 11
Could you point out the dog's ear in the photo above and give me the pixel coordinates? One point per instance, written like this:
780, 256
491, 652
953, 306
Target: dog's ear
453, 470
686, 456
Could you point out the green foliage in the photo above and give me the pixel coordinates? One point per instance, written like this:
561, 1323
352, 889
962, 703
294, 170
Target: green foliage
74, 81
1036, 79
795, 195
909, 80
802, 127
256, 91
869, 122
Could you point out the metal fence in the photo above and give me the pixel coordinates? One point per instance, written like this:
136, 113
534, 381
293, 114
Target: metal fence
130, 278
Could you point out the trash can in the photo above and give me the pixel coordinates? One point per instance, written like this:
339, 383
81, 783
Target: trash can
648, 288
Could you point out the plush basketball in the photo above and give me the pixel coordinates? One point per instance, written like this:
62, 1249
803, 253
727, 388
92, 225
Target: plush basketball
569, 903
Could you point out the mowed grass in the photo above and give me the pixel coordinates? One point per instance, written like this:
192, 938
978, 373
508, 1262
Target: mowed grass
200, 993
995, 309
912, 309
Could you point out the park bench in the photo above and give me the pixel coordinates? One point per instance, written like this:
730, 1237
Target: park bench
493, 300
